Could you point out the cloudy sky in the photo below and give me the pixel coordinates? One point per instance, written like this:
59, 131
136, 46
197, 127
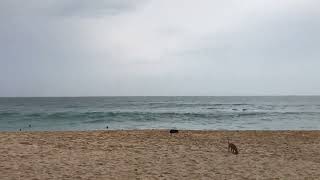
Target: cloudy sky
159, 47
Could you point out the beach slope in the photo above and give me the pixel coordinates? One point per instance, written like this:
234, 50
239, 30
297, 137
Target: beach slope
155, 154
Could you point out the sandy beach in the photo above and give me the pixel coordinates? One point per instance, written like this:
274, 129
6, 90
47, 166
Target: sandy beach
155, 154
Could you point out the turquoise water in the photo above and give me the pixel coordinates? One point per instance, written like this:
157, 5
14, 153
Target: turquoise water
198, 113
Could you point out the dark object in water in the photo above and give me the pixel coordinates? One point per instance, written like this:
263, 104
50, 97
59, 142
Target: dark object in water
172, 131
244, 109
107, 127
29, 125
19, 129
232, 148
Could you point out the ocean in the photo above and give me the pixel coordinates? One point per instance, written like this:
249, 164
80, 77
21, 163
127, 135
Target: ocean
195, 113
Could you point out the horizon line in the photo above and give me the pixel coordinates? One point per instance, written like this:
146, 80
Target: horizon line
160, 96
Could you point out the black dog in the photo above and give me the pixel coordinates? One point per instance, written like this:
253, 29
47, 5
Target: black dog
173, 131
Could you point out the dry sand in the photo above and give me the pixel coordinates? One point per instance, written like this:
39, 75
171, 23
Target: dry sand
155, 154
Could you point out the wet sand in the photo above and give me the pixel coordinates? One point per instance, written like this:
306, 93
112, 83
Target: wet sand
155, 154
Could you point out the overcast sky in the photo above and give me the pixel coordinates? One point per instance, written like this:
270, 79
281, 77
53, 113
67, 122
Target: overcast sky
159, 47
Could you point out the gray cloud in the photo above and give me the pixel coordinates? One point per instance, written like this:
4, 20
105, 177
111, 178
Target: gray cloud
84, 8
74, 48
81, 8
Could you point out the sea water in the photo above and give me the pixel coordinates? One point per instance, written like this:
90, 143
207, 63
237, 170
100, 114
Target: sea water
196, 113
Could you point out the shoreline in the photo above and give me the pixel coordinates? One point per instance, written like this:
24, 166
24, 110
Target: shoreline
155, 154
158, 130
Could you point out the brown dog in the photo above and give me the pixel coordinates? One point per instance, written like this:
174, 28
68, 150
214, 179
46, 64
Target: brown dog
232, 148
